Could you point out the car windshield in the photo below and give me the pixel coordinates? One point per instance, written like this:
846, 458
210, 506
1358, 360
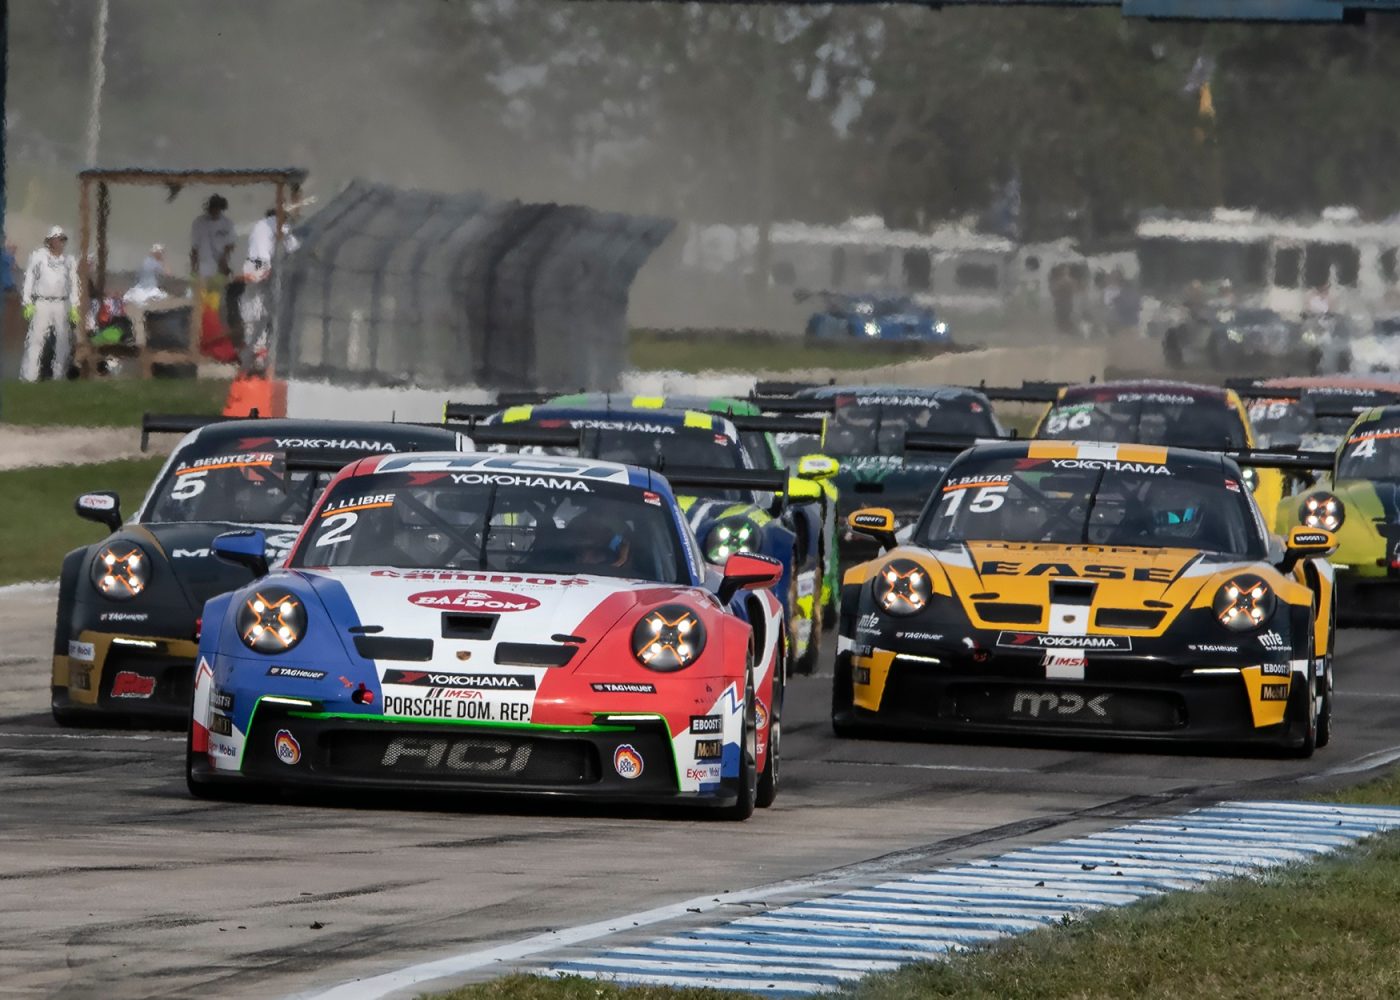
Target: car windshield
441, 520
1279, 422
863, 426
1373, 453
1176, 420
238, 487
1074, 501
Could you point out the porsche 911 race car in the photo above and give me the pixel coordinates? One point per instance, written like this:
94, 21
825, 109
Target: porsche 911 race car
865, 433
1085, 589
1159, 412
725, 519
129, 605
496, 623
1311, 413
1358, 499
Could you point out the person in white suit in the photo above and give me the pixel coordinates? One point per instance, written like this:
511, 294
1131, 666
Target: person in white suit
50, 300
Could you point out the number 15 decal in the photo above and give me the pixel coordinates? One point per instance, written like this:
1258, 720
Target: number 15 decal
987, 499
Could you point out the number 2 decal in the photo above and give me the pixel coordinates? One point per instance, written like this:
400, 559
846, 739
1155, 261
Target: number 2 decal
337, 528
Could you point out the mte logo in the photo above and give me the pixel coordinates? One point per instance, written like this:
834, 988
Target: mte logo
1039, 704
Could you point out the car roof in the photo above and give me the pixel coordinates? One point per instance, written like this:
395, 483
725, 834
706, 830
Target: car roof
334, 435
941, 392
1098, 390
699, 420
550, 466
1335, 383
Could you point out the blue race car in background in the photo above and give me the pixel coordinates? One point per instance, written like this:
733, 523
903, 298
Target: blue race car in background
876, 317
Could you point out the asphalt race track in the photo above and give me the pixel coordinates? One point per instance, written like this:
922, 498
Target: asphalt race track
115, 883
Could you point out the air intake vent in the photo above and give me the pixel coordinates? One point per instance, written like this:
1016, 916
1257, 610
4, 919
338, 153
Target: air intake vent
1008, 614
461, 625
1075, 593
387, 647
534, 654
1128, 618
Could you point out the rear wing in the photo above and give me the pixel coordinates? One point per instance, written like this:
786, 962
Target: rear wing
777, 387
469, 413
946, 444
180, 423
319, 461
526, 436
792, 404
1026, 392
1287, 461
1251, 388
701, 477
779, 425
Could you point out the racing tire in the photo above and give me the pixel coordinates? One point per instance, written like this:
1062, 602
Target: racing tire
807, 663
768, 780
1324, 713
746, 785
1303, 713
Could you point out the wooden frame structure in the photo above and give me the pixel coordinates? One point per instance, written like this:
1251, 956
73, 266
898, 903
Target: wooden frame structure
286, 182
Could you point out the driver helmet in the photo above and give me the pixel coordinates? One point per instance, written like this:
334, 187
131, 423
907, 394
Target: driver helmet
599, 543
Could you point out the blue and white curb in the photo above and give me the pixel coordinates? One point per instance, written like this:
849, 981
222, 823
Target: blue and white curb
821, 944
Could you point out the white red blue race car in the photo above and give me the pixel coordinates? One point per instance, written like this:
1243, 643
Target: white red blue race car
495, 623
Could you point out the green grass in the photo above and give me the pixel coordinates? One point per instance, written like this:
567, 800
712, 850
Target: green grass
39, 526
748, 352
107, 402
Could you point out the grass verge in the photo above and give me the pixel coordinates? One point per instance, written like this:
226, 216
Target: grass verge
1322, 929
39, 526
107, 402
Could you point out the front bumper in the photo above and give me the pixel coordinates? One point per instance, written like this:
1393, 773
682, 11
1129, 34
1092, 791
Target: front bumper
142, 679
1122, 697
298, 749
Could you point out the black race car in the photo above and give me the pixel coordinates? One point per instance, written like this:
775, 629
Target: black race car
128, 606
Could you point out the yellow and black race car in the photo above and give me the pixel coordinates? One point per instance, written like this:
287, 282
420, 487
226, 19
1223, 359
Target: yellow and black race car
1089, 589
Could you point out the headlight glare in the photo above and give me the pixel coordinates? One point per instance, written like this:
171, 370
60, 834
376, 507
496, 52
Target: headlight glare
668, 638
902, 587
1251, 478
272, 620
1322, 510
735, 534
1244, 603
121, 571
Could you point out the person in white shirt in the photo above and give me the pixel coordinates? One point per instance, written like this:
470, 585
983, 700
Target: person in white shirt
255, 306
211, 240
50, 300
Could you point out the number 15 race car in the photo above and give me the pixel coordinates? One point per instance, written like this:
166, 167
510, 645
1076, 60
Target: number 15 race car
495, 623
1090, 590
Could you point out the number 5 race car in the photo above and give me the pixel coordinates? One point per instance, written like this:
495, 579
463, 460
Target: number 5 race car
1090, 590
495, 623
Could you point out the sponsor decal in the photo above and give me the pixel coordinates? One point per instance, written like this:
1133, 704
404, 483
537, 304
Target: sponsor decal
1273, 692
79, 678
483, 682
189, 553
922, 636
478, 754
894, 400
81, 651
335, 444
287, 748
706, 724
358, 503
97, 501
704, 773
709, 749
1272, 641
652, 498
1038, 640
468, 705
129, 684
619, 687
300, 673
1209, 647
861, 675
1232, 486
868, 520
1111, 465
868, 623
627, 762
511, 479
1093, 571
124, 616
221, 724
1275, 669
222, 748
222, 700
971, 482
463, 576
1311, 538
1069, 660
509, 463
760, 716
473, 600
239, 461
1038, 704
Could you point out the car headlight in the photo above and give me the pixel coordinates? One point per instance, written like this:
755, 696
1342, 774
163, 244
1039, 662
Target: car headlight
1251, 478
902, 587
271, 620
872, 329
1244, 603
940, 328
1322, 510
735, 534
668, 638
121, 571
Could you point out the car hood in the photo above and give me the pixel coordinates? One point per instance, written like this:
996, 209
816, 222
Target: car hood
187, 550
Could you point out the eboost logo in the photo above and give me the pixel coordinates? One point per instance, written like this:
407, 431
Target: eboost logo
287, 747
627, 762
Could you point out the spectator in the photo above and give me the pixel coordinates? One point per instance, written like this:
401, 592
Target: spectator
50, 300
147, 285
211, 241
255, 306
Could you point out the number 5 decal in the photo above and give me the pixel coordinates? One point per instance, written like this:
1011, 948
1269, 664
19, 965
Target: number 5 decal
339, 526
191, 485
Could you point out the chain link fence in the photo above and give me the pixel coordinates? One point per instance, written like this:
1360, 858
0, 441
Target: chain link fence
396, 287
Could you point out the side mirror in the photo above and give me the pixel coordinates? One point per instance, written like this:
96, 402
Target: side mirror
874, 522
748, 571
243, 548
803, 489
103, 506
1305, 543
817, 467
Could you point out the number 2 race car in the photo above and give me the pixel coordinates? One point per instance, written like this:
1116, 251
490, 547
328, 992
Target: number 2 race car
1089, 590
124, 641
495, 623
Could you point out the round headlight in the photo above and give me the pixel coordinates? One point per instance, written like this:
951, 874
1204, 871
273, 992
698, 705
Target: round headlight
872, 329
121, 571
902, 587
1251, 478
734, 534
1244, 603
668, 638
271, 620
1322, 510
